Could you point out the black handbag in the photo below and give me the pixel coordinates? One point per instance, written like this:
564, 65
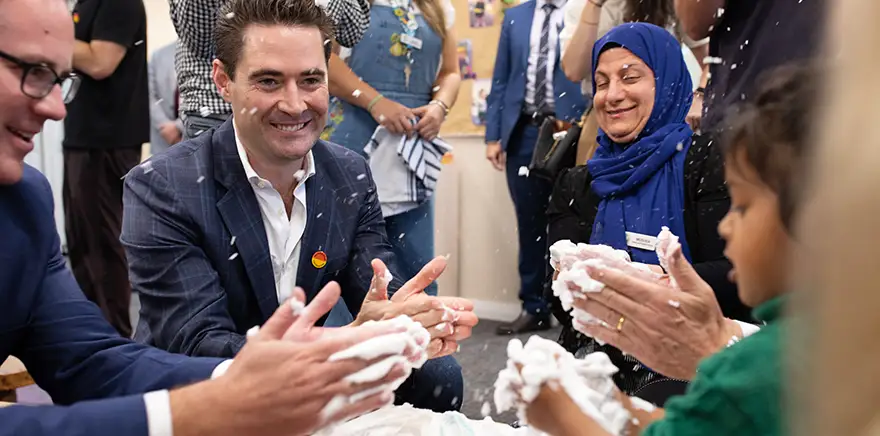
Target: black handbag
554, 153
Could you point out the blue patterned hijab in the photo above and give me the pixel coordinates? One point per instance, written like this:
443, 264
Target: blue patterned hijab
641, 184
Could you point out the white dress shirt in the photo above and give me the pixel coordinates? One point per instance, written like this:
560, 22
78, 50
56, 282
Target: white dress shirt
556, 19
283, 232
158, 406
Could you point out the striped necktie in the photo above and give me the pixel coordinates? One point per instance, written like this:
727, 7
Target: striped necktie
542, 103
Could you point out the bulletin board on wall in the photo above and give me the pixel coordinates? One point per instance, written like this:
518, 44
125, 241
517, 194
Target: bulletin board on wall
477, 28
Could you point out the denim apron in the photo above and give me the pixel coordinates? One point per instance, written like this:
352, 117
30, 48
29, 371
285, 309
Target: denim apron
379, 61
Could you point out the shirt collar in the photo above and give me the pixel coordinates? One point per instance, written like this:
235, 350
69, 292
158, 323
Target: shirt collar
770, 310
558, 3
249, 170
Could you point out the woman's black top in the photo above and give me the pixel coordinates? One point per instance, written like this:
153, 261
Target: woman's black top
571, 213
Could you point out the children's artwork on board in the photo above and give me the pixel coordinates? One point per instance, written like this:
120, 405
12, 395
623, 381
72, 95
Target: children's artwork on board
479, 93
507, 4
481, 13
466, 59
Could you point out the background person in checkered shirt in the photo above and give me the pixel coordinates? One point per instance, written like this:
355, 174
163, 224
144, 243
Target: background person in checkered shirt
202, 108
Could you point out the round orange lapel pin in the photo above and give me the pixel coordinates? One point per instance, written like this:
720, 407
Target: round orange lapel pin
76, 17
319, 259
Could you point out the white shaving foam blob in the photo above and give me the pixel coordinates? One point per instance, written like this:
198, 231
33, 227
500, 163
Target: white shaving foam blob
376, 371
543, 362
297, 307
395, 346
573, 281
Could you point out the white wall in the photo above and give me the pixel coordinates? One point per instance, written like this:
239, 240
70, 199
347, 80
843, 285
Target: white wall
476, 226
160, 31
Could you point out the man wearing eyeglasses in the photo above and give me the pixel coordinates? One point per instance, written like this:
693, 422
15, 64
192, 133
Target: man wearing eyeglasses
104, 130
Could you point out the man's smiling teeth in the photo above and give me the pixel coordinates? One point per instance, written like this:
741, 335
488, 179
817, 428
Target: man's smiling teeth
26, 136
289, 127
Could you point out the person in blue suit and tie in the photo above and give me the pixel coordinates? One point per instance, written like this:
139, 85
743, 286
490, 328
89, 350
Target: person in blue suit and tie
528, 86
101, 383
219, 229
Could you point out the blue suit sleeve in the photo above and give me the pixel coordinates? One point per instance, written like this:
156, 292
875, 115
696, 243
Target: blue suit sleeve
371, 242
119, 416
495, 100
183, 302
74, 354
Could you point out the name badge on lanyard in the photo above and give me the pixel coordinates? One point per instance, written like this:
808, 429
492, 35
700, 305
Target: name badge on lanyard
640, 241
411, 41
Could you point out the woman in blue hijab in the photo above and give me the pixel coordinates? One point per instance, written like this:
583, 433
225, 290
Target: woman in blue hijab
649, 171
642, 92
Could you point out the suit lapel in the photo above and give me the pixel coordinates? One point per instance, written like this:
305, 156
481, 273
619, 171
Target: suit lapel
319, 205
241, 214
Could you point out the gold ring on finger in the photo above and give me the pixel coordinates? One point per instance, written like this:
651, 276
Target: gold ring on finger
620, 323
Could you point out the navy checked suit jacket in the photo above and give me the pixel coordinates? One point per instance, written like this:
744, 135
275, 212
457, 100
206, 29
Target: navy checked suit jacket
181, 210
62, 338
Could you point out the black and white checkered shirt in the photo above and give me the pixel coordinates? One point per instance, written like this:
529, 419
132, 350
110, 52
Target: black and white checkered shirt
194, 21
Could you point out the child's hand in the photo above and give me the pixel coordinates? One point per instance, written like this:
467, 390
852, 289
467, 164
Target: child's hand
551, 409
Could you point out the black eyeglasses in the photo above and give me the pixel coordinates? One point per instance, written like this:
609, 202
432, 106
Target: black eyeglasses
38, 80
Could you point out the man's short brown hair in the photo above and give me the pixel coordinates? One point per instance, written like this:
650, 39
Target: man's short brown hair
237, 15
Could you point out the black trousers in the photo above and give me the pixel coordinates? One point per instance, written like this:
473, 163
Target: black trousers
92, 196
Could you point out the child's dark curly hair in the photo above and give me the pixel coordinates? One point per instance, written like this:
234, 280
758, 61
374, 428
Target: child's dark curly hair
774, 132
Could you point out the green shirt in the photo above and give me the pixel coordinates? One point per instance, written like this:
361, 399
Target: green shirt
736, 391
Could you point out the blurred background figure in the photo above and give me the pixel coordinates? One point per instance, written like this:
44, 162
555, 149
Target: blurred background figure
166, 125
842, 385
746, 38
106, 125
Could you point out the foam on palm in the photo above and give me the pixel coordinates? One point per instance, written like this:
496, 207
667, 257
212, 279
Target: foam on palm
572, 262
412, 342
543, 362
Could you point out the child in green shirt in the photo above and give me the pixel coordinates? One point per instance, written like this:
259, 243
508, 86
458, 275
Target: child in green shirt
737, 391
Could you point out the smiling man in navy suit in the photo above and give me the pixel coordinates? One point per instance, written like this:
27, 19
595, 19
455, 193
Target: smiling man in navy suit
528, 86
103, 384
221, 228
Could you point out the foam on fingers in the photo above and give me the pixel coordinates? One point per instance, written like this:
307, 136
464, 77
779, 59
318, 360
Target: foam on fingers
573, 263
376, 371
667, 243
297, 307
543, 362
386, 345
407, 349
